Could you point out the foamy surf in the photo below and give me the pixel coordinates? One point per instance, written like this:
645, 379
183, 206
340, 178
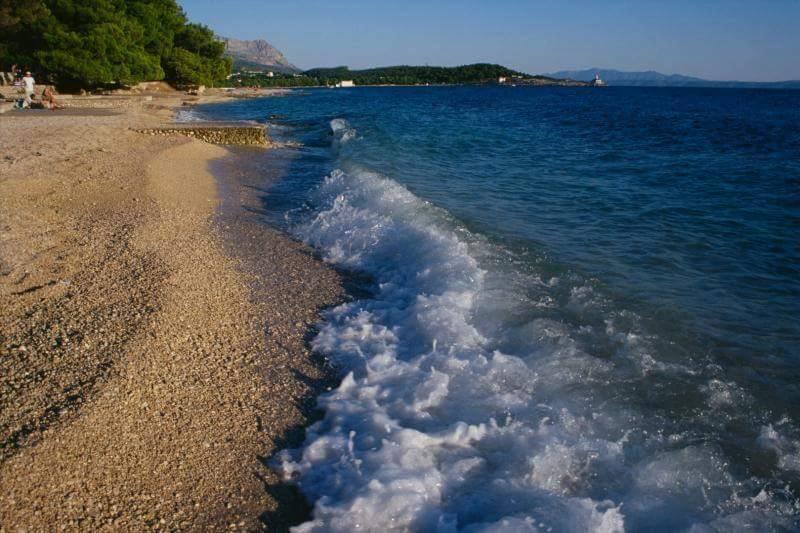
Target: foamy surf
189, 115
342, 131
479, 396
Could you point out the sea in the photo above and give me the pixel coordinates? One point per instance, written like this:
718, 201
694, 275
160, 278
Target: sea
571, 309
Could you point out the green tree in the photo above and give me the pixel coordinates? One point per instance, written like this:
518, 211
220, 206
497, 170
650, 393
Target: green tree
96, 46
161, 20
411, 75
17, 42
92, 43
197, 57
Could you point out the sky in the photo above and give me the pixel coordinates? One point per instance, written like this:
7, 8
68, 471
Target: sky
748, 40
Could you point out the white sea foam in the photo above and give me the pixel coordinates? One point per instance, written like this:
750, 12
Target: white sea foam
342, 131
189, 115
452, 416
786, 449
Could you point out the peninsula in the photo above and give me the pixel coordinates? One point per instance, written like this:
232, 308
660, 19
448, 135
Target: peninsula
474, 74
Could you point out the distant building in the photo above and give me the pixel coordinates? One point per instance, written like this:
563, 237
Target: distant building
502, 79
270, 74
597, 82
346, 83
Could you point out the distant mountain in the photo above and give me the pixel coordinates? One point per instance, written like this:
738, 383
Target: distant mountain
257, 55
652, 78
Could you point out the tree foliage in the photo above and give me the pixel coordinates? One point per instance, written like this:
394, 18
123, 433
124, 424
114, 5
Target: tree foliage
92, 43
197, 57
401, 75
413, 75
259, 79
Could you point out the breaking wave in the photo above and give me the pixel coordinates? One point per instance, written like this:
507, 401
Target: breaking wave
342, 132
480, 393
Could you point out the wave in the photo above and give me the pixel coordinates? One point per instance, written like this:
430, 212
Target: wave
473, 397
189, 115
342, 132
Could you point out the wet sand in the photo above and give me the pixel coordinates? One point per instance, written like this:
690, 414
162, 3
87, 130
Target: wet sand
152, 347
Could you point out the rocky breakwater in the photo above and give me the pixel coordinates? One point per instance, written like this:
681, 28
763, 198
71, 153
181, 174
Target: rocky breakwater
215, 132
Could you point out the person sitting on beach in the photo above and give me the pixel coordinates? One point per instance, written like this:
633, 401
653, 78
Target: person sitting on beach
49, 99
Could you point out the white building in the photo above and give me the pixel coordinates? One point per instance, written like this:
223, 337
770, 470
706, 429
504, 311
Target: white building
502, 79
346, 83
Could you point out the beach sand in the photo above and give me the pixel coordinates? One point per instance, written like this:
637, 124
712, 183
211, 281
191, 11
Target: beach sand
152, 350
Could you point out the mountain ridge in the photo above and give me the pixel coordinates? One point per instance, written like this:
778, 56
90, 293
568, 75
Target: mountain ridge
257, 54
652, 78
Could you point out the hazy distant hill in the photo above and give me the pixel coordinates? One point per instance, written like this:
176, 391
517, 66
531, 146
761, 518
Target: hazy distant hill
652, 78
257, 55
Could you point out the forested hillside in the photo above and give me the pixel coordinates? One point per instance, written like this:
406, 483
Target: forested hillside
400, 75
90, 43
411, 75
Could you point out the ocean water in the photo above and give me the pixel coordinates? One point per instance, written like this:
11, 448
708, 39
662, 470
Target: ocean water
578, 308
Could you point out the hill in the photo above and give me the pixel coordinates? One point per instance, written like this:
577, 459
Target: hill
651, 78
420, 75
257, 55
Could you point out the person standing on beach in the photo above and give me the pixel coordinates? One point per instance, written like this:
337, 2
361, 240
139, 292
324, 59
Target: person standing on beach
29, 84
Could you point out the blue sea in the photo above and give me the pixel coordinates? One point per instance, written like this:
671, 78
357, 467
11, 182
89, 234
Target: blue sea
578, 308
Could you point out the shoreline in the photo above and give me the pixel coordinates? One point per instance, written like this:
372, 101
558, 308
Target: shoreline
154, 348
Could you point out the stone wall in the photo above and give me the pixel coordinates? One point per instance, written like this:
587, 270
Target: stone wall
215, 134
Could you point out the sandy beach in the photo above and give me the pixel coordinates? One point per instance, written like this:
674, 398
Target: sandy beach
152, 347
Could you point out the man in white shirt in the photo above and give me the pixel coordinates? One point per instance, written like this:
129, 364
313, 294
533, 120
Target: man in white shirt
28, 82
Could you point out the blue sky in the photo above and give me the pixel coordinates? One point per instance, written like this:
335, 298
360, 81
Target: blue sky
752, 40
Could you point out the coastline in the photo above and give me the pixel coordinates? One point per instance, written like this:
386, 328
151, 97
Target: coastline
153, 345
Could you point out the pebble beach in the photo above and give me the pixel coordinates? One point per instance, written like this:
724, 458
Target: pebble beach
153, 349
